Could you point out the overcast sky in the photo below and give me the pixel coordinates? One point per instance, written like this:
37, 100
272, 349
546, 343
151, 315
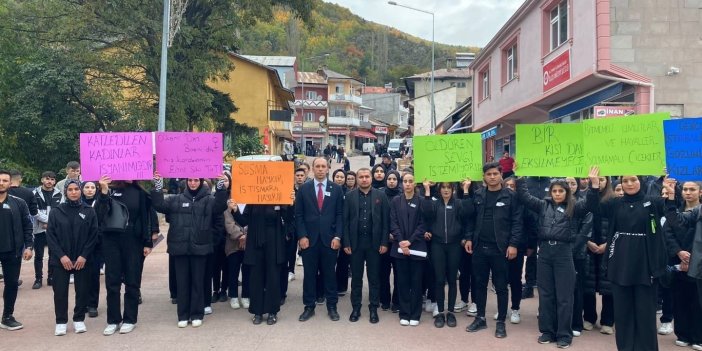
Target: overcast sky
458, 22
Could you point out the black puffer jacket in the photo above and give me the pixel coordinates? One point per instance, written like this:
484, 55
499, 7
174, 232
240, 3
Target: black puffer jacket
191, 219
446, 223
596, 280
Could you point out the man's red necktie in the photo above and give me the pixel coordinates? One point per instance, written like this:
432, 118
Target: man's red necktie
320, 196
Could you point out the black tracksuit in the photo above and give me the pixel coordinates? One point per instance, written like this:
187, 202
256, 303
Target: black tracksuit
16, 236
636, 258
388, 292
447, 222
72, 232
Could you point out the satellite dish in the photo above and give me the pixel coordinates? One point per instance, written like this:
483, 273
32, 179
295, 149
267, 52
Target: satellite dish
322, 118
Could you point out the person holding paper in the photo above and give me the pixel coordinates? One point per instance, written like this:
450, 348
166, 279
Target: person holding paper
265, 255
681, 242
319, 226
190, 240
409, 249
559, 219
72, 234
124, 208
446, 220
636, 258
494, 234
366, 225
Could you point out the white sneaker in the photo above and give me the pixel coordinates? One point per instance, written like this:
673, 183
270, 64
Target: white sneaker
71, 279
665, 328
110, 329
291, 277
460, 306
607, 330
588, 326
427, 306
60, 329
697, 347
472, 310
515, 317
682, 343
245, 302
208, 310
413, 323
404, 322
197, 323
126, 328
497, 315
298, 261
79, 327
435, 311
234, 303
182, 324
576, 333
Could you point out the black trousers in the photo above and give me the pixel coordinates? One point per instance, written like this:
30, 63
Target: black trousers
530, 271
580, 276
11, 270
514, 278
207, 282
590, 309
220, 274
319, 258
428, 279
686, 309
124, 258
265, 281
342, 271
409, 281
189, 271
556, 283
635, 317
39, 245
235, 261
60, 286
485, 260
699, 290
368, 257
388, 292
465, 281
665, 299
172, 286
445, 259
93, 266
290, 254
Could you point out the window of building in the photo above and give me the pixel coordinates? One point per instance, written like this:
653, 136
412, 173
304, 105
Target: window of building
512, 68
339, 89
309, 116
311, 95
559, 24
484, 84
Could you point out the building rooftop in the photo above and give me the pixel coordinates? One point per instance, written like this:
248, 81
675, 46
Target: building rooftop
443, 74
310, 78
277, 61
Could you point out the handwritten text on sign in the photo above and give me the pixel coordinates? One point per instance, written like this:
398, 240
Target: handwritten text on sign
683, 148
262, 183
552, 150
632, 145
189, 155
448, 158
121, 156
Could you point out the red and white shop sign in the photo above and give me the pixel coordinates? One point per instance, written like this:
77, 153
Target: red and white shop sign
380, 130
557, 71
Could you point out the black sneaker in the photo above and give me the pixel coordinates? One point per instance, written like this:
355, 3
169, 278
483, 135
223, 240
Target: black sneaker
478, 324
545, 339
395, 309
320, 301
439, 320
92, 312
500, 330
215, 298
451, 320
527, 292
563, 344
10, 323
37, 284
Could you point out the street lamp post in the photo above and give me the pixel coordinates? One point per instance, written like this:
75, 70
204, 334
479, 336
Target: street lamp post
433, 112
302, 105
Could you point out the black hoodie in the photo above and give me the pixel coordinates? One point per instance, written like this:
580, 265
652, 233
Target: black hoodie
72, 232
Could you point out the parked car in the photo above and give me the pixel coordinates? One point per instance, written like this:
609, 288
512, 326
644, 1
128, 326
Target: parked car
369, 148
395, 147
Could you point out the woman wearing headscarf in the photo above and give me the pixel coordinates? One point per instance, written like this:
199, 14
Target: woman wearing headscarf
343, 260
378, 176
125, 210
71, 236
636, 258
190, 240
387, 265
88, 197
265, 254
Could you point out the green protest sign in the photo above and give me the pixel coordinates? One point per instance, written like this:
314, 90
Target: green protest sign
550, 150
632, 145
448, 158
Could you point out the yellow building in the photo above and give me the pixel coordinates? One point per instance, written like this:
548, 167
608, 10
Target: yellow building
262, 102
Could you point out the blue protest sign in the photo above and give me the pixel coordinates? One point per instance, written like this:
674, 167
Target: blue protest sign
683, 148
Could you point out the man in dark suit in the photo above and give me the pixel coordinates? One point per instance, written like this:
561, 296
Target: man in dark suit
319, 218
366, 233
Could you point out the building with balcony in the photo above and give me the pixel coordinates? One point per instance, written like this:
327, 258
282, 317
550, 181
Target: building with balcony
311, 108
262, 101
559, 61
389, 110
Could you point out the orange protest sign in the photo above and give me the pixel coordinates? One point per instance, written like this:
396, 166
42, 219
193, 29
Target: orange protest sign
262, 183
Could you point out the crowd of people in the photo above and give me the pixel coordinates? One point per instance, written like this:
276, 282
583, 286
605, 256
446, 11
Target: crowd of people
635, 241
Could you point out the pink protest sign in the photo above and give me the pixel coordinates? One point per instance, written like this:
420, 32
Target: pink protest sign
121, 156
189, 155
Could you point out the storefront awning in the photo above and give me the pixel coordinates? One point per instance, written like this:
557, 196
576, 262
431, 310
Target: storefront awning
283, 133
341, 131
363, 134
